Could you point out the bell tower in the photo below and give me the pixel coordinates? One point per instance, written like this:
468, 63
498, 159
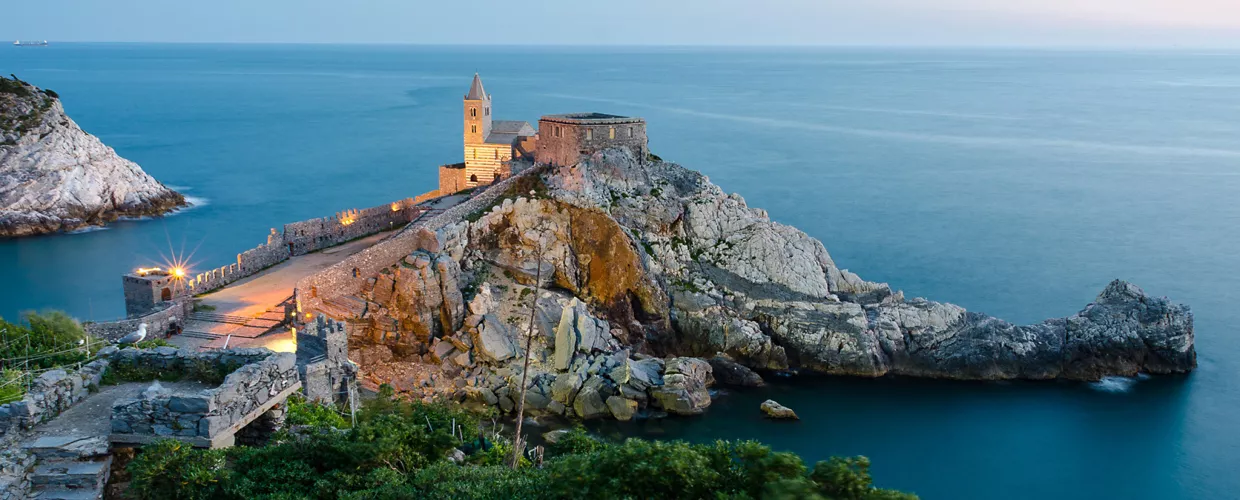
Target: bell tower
477, 113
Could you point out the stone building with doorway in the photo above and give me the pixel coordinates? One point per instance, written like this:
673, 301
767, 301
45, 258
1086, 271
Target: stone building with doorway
489, 144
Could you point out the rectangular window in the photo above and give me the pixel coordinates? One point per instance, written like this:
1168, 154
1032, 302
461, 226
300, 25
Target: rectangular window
589, 134
611, 133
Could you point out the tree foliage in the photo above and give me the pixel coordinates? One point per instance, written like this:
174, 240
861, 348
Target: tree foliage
398, 450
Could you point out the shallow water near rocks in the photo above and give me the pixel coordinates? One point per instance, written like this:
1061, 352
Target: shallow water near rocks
1015, 183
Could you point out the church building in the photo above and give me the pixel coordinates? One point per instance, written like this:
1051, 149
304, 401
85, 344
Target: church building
489, 144
561, 140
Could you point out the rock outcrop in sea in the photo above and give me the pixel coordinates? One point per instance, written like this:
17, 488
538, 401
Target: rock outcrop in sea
56, 177
632, 273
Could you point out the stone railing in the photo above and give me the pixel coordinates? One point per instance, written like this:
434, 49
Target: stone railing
157, 322
257, 381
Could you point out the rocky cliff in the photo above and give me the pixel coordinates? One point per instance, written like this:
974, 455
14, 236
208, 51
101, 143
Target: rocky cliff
56, 177
629, 272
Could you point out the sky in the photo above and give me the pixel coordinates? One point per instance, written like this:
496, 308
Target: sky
635, 22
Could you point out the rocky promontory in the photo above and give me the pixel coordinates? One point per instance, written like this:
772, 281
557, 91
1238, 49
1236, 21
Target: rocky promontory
56, 177
632, 272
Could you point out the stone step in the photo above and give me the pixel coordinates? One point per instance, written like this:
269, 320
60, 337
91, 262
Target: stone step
48, 448
72, 474
69, 494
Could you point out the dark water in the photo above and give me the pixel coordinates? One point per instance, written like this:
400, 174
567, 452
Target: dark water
1013, 183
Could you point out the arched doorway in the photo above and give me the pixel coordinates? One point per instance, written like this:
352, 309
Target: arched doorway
473, 178
166, 294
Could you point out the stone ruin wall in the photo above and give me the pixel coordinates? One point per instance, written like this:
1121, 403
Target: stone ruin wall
257, 376
158, 321
52, 392
322, 357
340, 279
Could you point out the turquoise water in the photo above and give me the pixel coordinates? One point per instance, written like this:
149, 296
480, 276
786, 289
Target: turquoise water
1017, 183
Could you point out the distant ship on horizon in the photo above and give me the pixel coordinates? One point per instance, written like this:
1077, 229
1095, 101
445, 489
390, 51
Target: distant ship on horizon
20, 43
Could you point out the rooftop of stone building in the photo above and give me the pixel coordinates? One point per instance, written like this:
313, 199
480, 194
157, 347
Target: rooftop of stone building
506, 131
590, 118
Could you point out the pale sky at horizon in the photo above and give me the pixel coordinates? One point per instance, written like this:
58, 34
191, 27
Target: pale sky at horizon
636, 22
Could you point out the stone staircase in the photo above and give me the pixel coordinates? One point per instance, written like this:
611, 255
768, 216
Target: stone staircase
69, 467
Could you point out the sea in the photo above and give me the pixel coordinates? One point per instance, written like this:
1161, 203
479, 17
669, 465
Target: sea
1012, 182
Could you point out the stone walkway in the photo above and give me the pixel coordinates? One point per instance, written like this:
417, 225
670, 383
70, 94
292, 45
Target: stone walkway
71, 451
249, 309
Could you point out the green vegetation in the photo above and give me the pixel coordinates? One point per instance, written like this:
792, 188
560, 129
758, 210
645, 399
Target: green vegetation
301, 412
199, 306
153, 343
24, 91
40, 341
200, 370
399, 450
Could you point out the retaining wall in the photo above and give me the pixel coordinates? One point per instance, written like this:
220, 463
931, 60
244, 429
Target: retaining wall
208, 417
51, 393
347, 276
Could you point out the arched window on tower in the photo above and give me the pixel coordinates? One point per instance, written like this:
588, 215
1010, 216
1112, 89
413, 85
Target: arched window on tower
473, 129
473, 178
473, 112
486, 111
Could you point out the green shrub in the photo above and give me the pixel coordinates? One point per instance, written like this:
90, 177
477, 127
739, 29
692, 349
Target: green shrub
46, 340
574, 441
398, 448
12, 386
153, 343
302, 412
171, 470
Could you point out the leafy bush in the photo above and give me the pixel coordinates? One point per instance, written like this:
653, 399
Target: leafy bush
398, 450
45, 340
302, 412
172, 470
12, 386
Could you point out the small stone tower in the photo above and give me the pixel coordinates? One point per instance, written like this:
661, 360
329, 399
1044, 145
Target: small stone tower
477, 113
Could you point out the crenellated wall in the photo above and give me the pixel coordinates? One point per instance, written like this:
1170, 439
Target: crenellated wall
297, 238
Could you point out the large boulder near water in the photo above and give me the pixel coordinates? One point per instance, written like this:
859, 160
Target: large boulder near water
56, 177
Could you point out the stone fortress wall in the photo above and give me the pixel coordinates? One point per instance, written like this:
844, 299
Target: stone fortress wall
144, 302
563, 139
300, 238
347, 276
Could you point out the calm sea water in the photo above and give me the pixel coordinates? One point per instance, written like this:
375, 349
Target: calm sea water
1013, 183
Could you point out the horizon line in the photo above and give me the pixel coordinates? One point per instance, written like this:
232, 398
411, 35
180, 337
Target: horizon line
843, 45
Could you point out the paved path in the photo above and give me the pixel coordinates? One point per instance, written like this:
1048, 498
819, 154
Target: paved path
245, 312
91, 416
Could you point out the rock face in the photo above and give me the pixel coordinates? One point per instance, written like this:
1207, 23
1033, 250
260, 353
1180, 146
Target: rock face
56, 177
629, 274
778, 411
